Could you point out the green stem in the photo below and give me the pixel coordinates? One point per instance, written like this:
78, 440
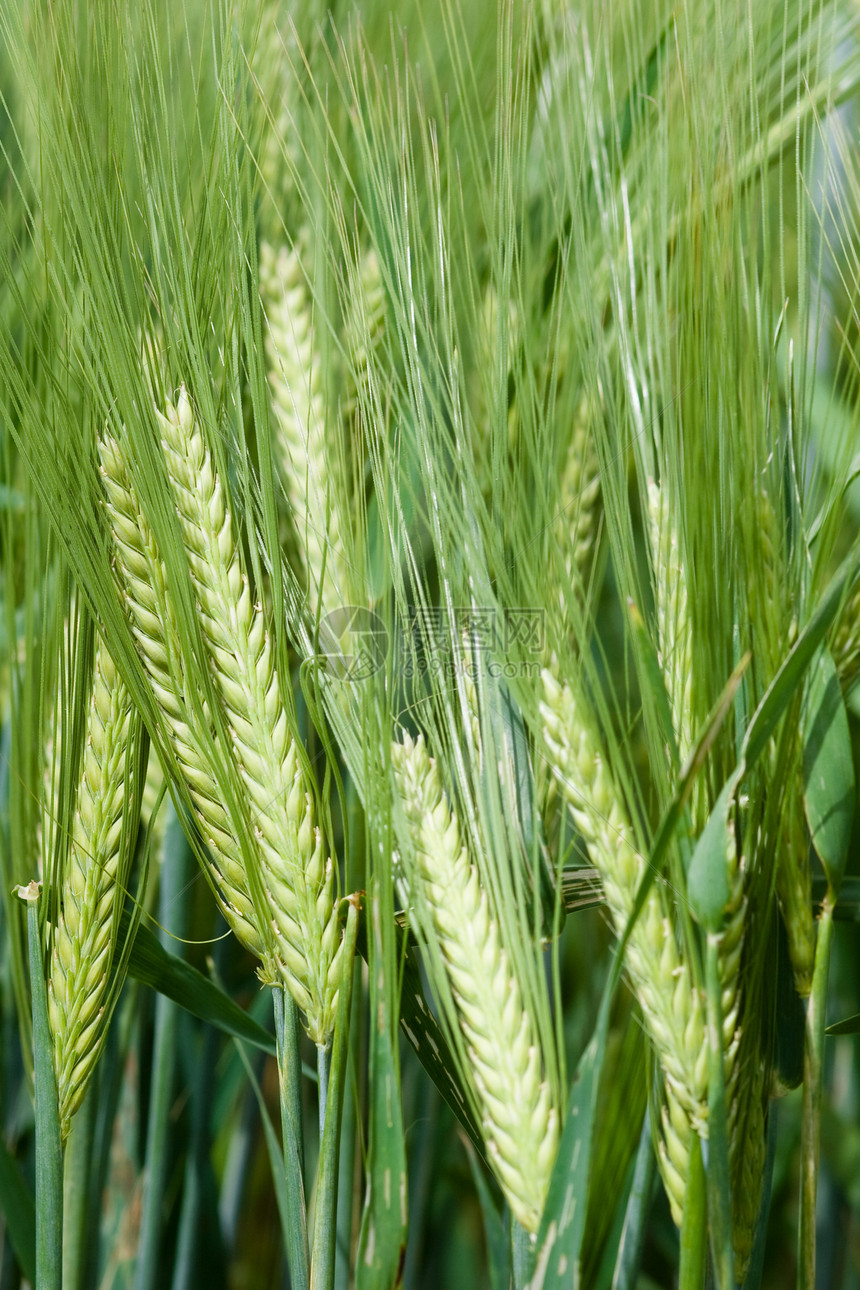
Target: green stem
719, 1176
333, 1061
523, 1250
290, 1081
76, 1202
49, 1149
172, 917
812, 1062
346, 1194
323, 1072
694, 1230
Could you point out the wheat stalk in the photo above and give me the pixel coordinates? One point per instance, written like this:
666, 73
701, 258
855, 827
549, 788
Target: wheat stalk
297, 875
519, 1121
92, 891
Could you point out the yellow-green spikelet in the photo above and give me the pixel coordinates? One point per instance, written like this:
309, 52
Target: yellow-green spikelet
142, 580
306, 459
297, 875
83, 941
671, 1003
519, 1121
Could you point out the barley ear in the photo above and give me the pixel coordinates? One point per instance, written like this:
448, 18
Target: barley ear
674, 629
297, 875
579, 498
305, 455
83, 944
671, 1002
142, 584
519, 1121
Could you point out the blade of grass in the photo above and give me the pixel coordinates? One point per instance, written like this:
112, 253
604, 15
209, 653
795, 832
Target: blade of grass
636, 1215
559, 1238
498, 1245
828, 771
19, 1212
153, 965
273, 1147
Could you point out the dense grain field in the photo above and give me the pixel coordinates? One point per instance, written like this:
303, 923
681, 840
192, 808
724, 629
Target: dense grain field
430, 584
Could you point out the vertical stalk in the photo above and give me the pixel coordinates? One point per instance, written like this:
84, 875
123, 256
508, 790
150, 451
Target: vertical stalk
323, 1071
346, 1160
76, 1186
523, 1250
719, 1177
49, 1150
290, 1083
172, 905
812, 1063
333, 1061
694, 1230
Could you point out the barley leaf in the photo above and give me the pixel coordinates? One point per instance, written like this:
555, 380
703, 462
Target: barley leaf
708, 876
152, 965
790, 1016
498, 1245
559, 1240
828, 771
653, 673
273, 1147
784, 685
637, 1210
431, 1047
850, 1026
19, 1212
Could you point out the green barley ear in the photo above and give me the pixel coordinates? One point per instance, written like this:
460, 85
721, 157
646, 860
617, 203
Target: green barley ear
674, 629
671, 1000
579, 495
307, 459
519, 1121
92, 889
142, 583
297, 875
364, 331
